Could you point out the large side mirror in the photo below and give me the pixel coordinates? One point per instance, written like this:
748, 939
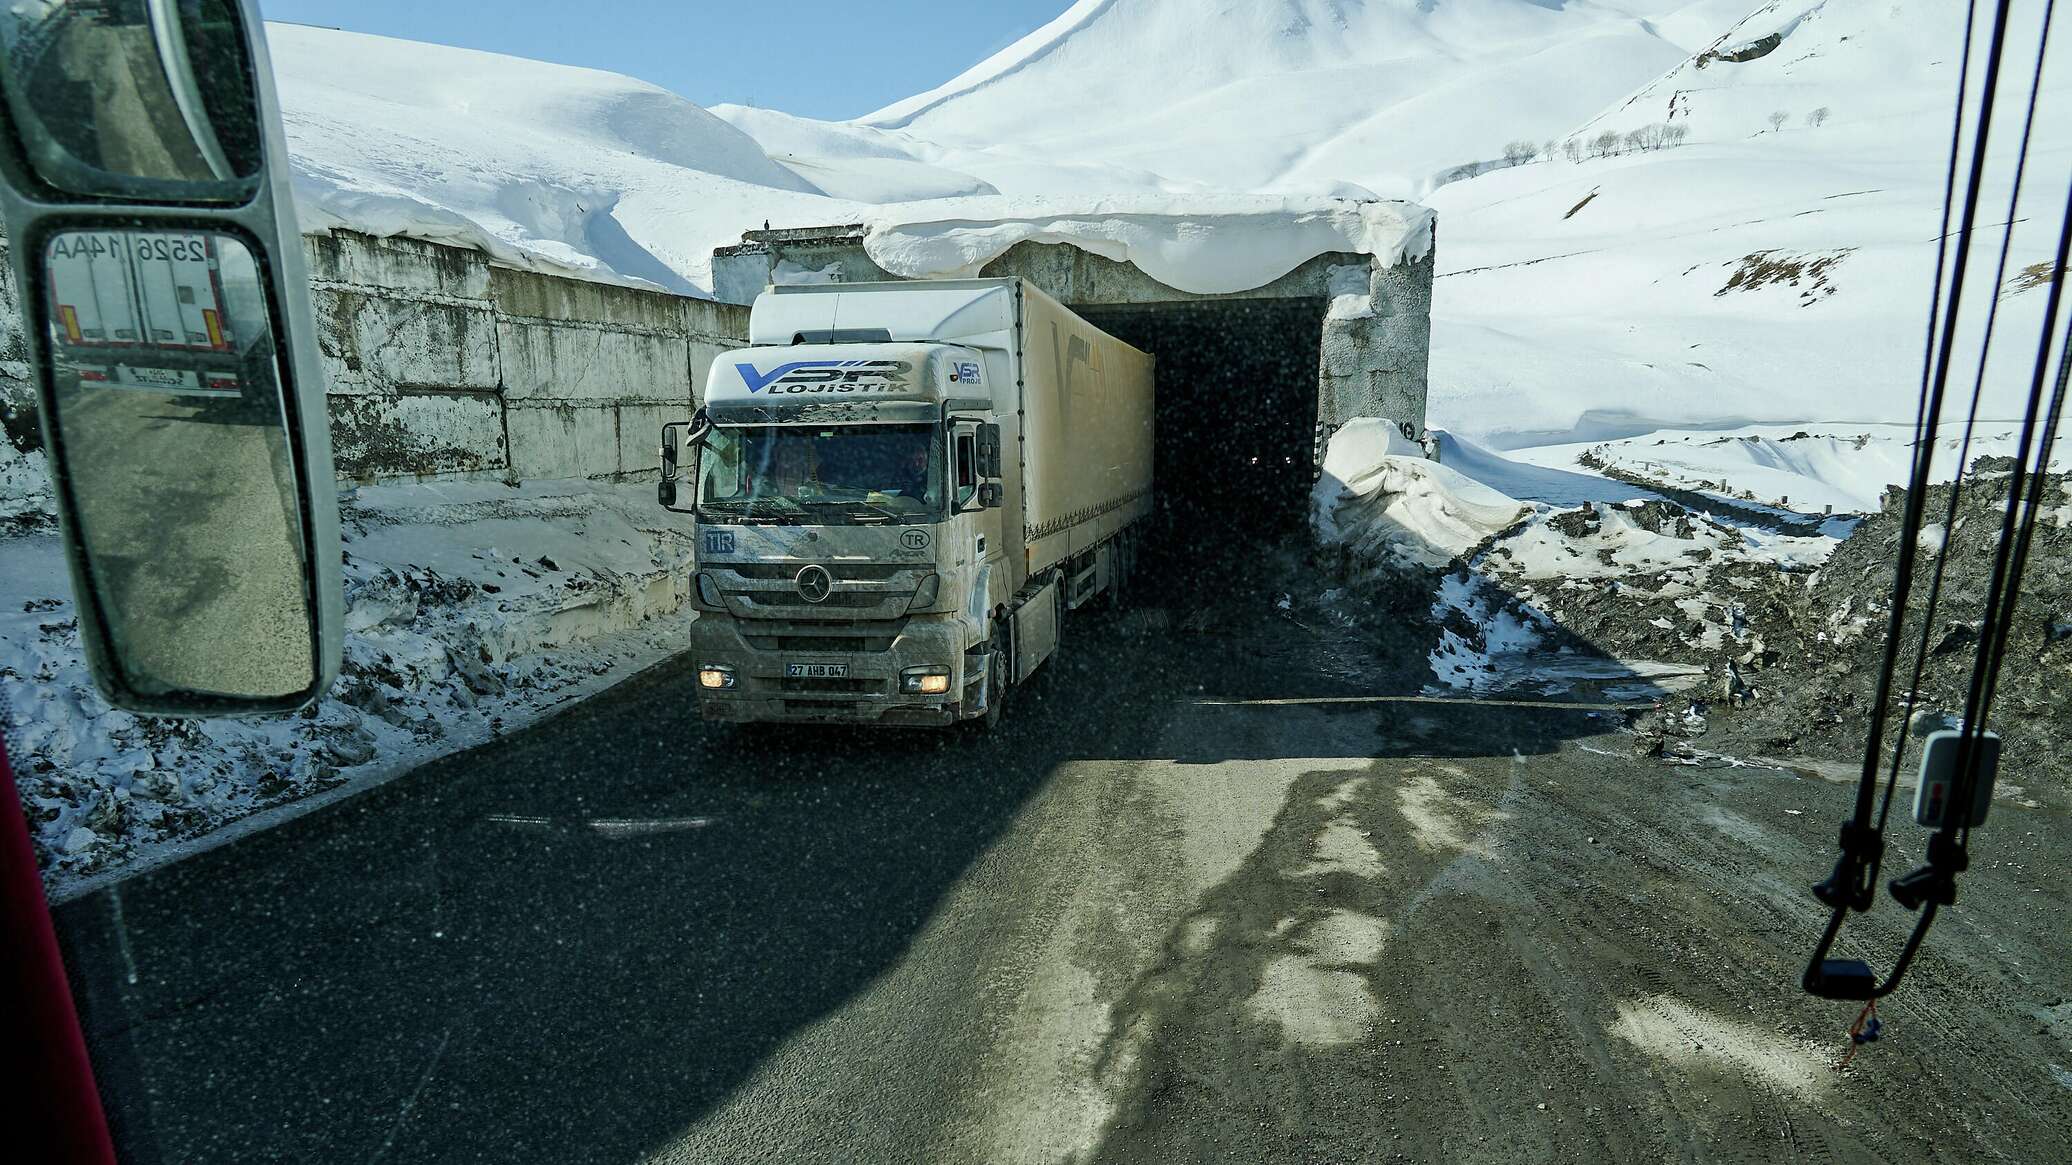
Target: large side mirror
989, 450
153, 236
665, 486
990, 495
676, 436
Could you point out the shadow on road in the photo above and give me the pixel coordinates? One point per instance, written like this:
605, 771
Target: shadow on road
571, 944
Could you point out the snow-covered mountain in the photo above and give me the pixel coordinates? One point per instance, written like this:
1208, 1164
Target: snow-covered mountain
1773, 266
1759, 271
1309, 95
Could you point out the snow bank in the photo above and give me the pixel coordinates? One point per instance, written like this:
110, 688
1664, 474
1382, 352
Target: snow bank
1204, 244
1381, 500
472, 610
1806, 467
24, 485
541, 166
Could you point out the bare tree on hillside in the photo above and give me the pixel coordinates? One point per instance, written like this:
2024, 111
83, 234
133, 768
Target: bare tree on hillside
1547, 151
1604, 144
1572, 150
1518, 153
1815, 118
1674, 133
1778, 119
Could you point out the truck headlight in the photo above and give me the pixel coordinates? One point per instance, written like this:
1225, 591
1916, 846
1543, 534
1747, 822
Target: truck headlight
711, 675
925, 594
708, 592
925, 681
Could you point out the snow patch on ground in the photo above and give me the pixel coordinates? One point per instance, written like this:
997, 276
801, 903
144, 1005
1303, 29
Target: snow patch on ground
1806, 467
1380, 499
472, 610
1523, 589
24, 485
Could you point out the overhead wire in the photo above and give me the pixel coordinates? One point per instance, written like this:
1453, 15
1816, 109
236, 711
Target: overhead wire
1957, 481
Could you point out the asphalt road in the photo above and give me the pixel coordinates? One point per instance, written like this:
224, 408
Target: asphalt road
1155, 918
226, 614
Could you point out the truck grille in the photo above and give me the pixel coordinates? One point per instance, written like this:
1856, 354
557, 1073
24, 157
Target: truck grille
836, 638
842, 571
864, 590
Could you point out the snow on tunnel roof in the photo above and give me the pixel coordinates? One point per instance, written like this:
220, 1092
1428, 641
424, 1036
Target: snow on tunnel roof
1204, 244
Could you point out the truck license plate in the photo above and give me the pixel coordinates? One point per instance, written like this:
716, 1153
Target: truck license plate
156, 377
815, 671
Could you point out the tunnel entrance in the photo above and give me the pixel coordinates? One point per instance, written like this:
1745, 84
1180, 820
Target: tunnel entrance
1236, 422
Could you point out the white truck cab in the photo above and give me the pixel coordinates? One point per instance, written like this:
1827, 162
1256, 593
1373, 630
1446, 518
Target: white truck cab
899, 490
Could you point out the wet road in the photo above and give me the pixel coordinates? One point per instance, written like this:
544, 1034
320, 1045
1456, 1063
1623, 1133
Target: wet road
1155, 917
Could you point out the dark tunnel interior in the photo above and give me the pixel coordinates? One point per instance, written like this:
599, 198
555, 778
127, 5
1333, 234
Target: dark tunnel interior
1236, 422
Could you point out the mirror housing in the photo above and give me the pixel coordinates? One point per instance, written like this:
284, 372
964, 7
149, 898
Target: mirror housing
191, 155
675, 435
989, 450
990, 495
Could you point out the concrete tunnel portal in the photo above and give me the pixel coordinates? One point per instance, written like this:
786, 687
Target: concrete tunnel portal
1249, 384
1236, 416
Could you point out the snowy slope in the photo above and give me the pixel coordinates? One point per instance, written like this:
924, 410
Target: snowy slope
1310, 95
1752, 274
537, 164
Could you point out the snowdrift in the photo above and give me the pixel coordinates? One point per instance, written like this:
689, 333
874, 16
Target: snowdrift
1205, 244
542, 166
1386, 505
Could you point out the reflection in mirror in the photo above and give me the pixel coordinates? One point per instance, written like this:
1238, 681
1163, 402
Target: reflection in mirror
107, 103
169, 420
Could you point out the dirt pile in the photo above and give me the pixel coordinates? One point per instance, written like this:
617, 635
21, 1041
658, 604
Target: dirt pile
1775, 630
1833, 640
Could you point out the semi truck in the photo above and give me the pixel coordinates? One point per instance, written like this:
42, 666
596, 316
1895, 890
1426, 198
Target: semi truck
147, 310
900, 489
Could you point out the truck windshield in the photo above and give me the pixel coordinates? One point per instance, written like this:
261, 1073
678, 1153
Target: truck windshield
839, 475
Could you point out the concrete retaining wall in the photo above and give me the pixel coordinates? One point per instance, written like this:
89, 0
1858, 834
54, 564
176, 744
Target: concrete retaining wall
439, 364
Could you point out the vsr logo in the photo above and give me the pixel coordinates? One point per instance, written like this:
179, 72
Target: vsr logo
827, 376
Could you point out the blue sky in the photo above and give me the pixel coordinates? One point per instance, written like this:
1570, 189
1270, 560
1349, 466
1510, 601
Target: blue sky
819, 58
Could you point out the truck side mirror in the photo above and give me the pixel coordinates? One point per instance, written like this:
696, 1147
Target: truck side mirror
990, 495
144, 184
989, 450
674, 438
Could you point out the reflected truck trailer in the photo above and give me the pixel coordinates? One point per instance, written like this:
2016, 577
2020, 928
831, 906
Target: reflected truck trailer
149, 310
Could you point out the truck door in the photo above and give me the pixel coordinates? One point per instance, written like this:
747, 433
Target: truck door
978, 519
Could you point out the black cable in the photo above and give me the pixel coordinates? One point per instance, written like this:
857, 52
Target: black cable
2017, 527
1935, 375
1853, 884
2034, 501
1942, 556
1854, 881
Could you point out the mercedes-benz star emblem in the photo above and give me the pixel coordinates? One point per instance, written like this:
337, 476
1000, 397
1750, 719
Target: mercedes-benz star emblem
814, 584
